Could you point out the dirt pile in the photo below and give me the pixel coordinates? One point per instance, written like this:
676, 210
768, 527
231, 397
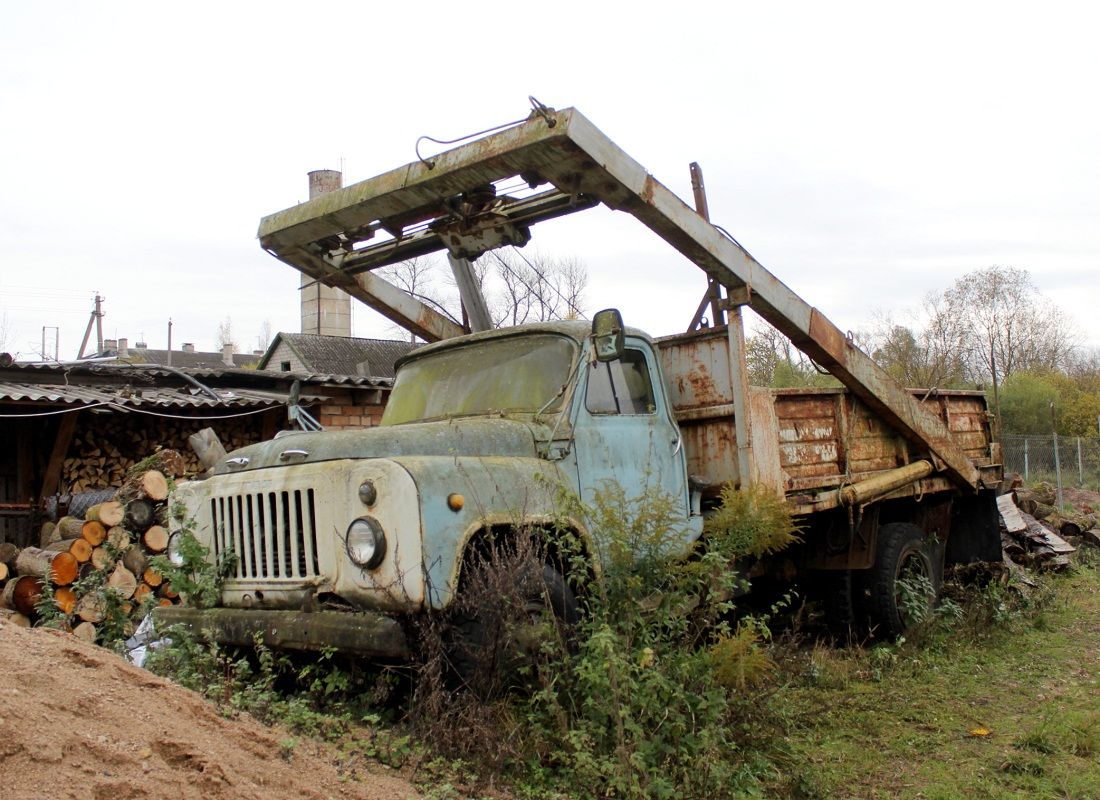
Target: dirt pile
77, 721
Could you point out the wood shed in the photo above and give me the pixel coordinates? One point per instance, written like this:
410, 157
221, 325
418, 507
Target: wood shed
70, 430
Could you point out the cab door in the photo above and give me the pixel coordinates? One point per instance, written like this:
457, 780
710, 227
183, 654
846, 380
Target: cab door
624, 433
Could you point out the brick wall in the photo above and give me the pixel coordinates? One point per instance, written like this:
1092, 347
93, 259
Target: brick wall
351, 409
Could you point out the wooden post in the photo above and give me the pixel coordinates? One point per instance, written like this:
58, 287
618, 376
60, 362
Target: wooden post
52, 478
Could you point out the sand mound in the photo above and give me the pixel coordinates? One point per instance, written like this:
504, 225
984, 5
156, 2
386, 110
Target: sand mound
77, 721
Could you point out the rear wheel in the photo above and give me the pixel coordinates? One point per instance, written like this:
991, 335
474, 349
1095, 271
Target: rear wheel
904, 583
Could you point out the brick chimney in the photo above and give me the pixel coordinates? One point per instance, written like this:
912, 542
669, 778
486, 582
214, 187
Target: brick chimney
188, 347
325, 310
227, 355
123, 348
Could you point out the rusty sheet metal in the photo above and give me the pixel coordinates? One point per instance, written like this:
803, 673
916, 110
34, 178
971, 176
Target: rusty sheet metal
698, 369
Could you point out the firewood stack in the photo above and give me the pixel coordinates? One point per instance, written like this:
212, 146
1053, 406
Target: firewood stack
80, 561
103, 456
1031, 542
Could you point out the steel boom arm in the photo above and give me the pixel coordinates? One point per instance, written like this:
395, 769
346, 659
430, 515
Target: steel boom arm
329, 238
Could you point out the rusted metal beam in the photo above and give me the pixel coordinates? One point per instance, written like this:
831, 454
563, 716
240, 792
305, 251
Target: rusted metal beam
582, 162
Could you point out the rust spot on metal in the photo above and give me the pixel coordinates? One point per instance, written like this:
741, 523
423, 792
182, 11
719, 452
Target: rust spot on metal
703, 387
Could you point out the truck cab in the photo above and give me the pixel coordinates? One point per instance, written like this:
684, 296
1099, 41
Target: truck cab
481, 434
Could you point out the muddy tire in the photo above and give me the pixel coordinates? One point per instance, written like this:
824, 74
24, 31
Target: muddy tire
904, 583
491, 639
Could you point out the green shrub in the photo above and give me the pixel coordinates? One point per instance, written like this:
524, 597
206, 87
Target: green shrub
649, 693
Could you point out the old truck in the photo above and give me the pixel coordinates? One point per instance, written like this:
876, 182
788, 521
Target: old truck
340, 537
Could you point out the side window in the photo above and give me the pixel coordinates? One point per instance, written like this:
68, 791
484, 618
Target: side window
621, 387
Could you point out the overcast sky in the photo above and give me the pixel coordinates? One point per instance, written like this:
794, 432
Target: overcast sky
866, 153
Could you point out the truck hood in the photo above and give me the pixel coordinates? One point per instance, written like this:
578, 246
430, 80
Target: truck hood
456, 437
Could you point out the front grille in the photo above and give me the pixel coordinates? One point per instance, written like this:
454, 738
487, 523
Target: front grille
273, 534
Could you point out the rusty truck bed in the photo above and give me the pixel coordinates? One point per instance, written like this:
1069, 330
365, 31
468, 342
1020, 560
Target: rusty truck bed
807, 442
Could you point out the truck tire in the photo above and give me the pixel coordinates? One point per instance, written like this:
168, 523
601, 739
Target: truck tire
844, 615
904, 582
487, 643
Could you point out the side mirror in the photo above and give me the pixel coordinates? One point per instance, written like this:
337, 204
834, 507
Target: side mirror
607, 334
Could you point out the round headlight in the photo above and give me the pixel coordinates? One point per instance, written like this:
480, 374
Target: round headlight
367, 493
366, 542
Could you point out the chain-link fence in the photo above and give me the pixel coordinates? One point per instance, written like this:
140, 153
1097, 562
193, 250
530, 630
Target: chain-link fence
1043, 457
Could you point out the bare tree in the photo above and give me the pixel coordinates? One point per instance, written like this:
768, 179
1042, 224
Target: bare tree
7, 333
536, 288
1002, 324
518, 287
224, 335
265, 335
419, 277
924, 355
773, 360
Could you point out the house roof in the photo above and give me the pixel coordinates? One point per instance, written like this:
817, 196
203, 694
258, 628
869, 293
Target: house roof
340, 355
180, 358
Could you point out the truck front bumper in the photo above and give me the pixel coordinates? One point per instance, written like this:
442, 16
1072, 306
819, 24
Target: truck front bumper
360, 633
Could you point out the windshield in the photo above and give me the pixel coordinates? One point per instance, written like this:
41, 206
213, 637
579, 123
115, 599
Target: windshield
518, 373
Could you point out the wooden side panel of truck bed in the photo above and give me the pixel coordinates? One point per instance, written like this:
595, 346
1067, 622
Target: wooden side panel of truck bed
803, 440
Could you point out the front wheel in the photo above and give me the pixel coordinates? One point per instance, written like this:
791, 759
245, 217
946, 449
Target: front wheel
904, 582
505, 622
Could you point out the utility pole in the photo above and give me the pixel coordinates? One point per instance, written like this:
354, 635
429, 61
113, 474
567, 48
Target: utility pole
56, 343
97, 318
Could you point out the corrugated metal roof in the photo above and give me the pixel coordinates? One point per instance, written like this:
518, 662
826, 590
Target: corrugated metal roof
115, 373
124, 387
126, 396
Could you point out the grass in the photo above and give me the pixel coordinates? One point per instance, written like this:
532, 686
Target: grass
957, 712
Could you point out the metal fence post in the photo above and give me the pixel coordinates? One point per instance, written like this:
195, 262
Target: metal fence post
1027, 472
1080, 465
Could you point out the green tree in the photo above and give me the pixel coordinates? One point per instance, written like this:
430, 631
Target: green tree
1025, 403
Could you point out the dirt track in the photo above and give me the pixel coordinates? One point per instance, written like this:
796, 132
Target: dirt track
77, 721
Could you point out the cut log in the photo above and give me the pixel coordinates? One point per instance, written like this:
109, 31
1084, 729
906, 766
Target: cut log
61, 568
122, 582
166, 462
110, 513
152, 577
101, 558
22, 594
65, 598
8, 552
135, 560
47, 534
90, 608
118, 537
15, 618
208, 448
140, 515
165, 602
166, 591
156, 539
68, 528
80, 548
93, 532
154, 485
3, 571
85, 631
143, 590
